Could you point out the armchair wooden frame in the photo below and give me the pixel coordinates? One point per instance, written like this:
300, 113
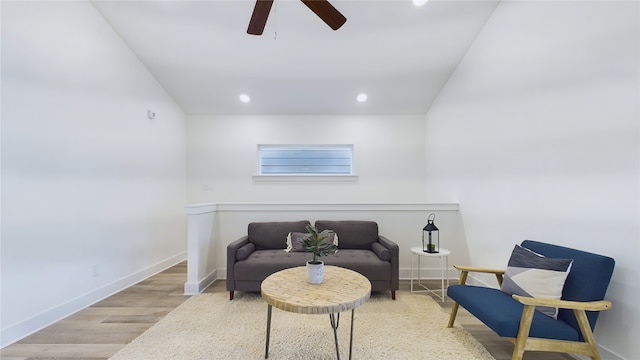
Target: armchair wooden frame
523, 342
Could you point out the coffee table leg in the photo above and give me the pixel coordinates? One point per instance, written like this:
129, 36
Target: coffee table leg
353, 311
266, 350
334, 326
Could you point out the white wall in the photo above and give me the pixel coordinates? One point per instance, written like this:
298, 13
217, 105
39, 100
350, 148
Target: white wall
92, 190
388, 157
536, 135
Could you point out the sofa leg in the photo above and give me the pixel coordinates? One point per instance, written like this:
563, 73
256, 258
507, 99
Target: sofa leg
230, 295
393, 294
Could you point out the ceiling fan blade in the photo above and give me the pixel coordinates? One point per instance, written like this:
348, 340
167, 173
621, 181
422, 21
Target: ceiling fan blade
259, 17
326, 12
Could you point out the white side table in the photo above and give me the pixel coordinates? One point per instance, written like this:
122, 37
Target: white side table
443, 255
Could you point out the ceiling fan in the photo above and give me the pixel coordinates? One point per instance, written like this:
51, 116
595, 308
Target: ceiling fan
322, 8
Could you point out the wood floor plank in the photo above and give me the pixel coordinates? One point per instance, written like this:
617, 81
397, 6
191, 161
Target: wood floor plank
134, 310
134, 319
58, 351
64, 333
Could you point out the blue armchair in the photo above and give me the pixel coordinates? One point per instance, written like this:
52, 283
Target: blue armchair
515, 317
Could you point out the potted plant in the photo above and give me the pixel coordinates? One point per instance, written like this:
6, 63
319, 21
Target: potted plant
318, 244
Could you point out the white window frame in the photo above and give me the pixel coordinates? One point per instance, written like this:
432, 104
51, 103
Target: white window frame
303, 176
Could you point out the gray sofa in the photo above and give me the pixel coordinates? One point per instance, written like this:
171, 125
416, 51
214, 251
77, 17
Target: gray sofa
261, 253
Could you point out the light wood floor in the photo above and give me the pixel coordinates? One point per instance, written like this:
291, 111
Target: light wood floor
102, 329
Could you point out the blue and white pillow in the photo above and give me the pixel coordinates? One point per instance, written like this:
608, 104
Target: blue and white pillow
531, 274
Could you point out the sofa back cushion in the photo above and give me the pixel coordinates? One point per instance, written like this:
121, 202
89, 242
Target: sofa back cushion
353, 234
273, 235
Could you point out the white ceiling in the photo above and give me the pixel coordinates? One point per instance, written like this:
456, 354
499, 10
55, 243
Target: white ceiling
399, 54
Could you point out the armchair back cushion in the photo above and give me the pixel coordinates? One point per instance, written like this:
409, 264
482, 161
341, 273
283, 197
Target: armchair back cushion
353, 234
587, 281
273, 235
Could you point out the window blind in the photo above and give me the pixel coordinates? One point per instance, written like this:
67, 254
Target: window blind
299, 160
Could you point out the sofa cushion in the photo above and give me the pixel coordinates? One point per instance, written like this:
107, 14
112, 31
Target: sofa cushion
262, 263
244, 251
382, 252
273, 235
353, 234
366, 262
502, 313
531, 274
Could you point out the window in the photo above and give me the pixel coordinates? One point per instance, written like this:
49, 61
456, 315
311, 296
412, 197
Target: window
305, 159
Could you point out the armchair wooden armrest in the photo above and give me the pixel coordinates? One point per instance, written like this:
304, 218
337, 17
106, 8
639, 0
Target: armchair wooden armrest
564, 304
588, 347
465, 270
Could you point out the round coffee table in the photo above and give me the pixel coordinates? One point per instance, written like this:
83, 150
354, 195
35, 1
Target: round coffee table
341, 290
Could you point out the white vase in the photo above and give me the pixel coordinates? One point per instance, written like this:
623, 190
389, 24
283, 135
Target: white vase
315, 272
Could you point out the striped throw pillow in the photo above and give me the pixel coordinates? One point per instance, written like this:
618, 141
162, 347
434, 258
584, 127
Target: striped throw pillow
531, 274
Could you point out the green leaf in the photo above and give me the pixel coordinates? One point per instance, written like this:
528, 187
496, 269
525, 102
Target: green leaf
314, 243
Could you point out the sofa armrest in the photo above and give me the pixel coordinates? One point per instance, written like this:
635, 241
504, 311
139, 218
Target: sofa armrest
395, 260
232, 249
383, 253
387, 243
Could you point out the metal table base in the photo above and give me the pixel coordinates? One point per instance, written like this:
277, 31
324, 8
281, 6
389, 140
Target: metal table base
335, 322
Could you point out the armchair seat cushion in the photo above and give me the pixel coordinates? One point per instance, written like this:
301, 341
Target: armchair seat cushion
502, 314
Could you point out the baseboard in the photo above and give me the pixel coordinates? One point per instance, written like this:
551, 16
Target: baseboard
38, 322
194, 288
605, 354
428, 274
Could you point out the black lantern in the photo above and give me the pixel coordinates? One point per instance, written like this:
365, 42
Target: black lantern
432, 245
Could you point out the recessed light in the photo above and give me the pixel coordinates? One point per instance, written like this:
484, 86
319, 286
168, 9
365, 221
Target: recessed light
362, 97
419, 2
244, 98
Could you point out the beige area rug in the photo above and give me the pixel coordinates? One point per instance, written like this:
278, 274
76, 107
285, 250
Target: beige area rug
209, 326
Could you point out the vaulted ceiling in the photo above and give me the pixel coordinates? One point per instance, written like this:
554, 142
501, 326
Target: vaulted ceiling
397, 53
